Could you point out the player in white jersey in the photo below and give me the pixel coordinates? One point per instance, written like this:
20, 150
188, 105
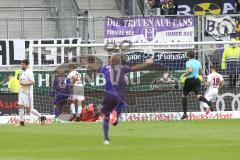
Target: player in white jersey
25, 98
77, 93
213, 83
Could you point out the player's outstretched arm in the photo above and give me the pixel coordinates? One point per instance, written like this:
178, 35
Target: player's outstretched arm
143, 65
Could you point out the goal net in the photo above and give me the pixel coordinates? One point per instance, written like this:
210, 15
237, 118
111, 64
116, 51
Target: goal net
151, 93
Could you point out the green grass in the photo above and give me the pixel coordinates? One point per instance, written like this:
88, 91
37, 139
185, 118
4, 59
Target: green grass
180, 140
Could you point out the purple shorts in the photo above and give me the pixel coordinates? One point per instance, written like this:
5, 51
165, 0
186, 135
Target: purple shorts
60, 99
110, 103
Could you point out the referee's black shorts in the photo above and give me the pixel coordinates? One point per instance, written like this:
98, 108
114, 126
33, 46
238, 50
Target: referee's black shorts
192, 84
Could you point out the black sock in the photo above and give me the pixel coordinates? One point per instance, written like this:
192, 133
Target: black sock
203, 99
22, 123
184, 104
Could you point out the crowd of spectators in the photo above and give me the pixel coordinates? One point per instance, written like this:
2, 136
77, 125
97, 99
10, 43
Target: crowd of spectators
167, 7
170, 7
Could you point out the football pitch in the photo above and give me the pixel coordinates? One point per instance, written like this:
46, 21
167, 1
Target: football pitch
173, 140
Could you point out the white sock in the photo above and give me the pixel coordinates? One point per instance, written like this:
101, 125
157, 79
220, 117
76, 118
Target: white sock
73, 109
79, 110
35, 112
21, 114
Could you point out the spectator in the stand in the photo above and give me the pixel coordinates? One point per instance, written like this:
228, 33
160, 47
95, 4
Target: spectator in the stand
238, 6
231, 63
168, 7
154, 3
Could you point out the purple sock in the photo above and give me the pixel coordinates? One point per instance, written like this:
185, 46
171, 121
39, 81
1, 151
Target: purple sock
56, 112
105, 128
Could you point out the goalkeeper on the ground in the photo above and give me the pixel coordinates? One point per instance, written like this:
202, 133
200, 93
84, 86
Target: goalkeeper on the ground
90, 113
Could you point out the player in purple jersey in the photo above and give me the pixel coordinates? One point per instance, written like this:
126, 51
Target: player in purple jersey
62, 88
114, 99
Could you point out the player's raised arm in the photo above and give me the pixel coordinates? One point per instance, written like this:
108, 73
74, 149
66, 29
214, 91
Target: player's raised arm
143, 65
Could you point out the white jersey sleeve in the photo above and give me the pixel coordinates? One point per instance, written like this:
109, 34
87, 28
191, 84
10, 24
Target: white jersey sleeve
30, 76
25, 77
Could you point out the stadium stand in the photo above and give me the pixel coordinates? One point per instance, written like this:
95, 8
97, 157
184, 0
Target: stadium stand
38, 19
98, 8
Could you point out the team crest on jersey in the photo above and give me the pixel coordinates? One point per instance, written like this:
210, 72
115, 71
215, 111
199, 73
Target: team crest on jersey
206, 8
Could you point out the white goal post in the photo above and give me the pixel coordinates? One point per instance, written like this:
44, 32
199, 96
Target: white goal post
161, 102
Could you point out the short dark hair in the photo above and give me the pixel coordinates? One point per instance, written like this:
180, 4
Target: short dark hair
214, 67
25, 61
191, 54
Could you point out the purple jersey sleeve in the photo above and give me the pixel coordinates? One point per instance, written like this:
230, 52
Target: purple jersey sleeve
101, 69
126, 69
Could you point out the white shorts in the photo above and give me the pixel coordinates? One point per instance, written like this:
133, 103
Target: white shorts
78, 92
210, 95
78, 97
24, 99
